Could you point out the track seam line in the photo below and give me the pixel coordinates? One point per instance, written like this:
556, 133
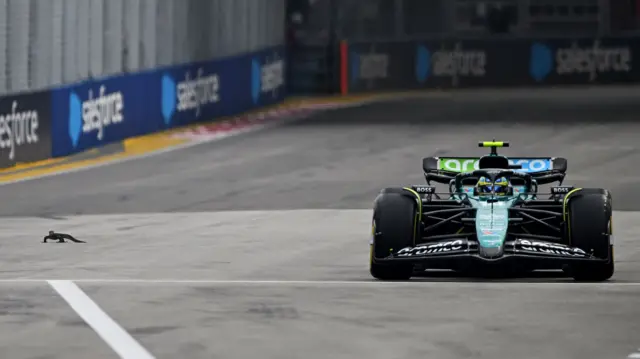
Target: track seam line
113, 334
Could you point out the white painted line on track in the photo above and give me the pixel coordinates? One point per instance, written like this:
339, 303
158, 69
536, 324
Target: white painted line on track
635, 355
376, 283
113, 334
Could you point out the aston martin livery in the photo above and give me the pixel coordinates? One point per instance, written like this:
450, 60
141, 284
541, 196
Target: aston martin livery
493, 216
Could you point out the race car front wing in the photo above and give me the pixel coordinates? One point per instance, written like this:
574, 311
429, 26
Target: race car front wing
460, 249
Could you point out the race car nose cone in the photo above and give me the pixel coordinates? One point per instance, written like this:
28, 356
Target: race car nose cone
491, 253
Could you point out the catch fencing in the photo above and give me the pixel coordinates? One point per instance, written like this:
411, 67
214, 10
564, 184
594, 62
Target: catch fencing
385, 20
374, 45
387, 45
74, 64
53, 42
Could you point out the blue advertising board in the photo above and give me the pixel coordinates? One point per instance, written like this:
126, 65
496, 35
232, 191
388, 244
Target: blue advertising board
583, 61
94, 113
268, 77
491, 62
97, 112
209, 90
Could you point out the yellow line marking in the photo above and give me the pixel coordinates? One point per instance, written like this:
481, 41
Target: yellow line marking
132, 148
161, 140
25, 165
139, 145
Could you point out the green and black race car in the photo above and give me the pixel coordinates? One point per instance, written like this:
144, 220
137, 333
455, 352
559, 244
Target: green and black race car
493, 217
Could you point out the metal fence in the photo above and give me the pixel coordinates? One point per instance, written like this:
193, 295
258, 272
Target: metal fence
44, 43
417, 19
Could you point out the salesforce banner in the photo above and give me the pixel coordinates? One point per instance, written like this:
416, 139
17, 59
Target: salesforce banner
25, 128
457, 63
435, 64
208, 90
98, 112
584, 61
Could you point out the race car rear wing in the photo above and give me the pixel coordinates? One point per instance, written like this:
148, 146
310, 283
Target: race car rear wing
544, 170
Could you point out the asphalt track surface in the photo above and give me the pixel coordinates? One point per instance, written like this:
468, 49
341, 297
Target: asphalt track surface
193, 252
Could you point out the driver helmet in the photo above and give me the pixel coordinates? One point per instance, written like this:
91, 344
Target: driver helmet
499, 187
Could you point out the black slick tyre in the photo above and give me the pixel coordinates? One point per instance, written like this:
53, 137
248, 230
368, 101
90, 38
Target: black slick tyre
589, 213
394, 226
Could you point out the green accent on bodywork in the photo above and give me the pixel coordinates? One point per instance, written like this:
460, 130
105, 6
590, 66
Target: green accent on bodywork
564, 211
458, 164
610, 224
372, 243
419, 215
566, 200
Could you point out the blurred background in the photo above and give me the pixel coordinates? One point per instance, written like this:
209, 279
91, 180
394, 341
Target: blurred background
45, 43
257, 53
50, 42
411, 19
317, 23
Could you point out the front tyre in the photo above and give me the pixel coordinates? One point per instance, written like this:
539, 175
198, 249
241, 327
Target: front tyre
589, 228
394, 226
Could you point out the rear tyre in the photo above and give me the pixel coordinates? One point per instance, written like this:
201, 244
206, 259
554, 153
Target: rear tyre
394, 225
589, 221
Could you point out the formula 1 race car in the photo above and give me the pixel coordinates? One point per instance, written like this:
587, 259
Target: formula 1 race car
493, 217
